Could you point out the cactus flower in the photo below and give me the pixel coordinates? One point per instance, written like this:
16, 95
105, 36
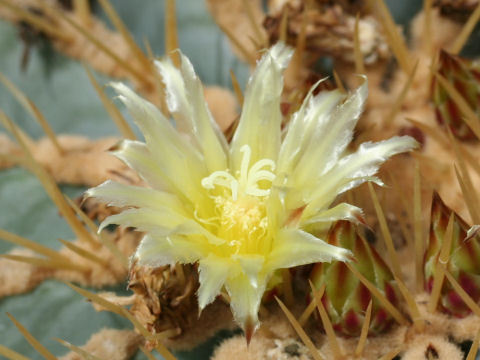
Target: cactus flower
346, 299
463, 262
244, 209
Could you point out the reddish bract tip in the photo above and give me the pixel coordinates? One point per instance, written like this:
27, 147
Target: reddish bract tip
115, 147
249, 328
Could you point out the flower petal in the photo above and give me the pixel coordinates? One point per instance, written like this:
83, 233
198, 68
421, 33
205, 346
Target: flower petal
355, 169
313, 113
161, 222
137, 156
260, 121
116, 194
158, 251
330, 137
245, 301
187, 104
176, 157
251, 265
294, 247
342, 211
213, 271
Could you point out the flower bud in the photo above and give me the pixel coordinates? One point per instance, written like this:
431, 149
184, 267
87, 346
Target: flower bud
346, 298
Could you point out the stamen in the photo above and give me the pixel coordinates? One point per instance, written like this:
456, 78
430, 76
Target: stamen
210, 221
237, 244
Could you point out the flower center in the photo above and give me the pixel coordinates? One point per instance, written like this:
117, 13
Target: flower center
240, 207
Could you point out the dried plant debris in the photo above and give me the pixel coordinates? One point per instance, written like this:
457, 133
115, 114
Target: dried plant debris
165, 299
241, 21
350, 6
321, 31
457, 10
328, 31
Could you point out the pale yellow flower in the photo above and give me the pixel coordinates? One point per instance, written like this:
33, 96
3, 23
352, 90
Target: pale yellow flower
245, 209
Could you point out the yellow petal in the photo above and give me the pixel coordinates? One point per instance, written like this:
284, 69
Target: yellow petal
158, 251
160, 222
120, 195
251, 265
355, 169
276, 214
137, 156
332, 133
294, 247
187, 104
176, 157
342, 211
260, 121
213, 271
312, 114
245, 301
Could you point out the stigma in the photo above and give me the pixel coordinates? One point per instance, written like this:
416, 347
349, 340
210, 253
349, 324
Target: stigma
252, 180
